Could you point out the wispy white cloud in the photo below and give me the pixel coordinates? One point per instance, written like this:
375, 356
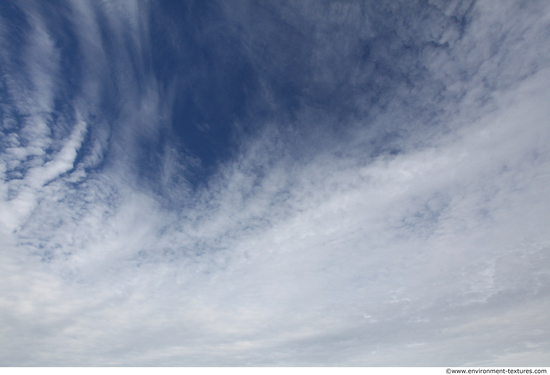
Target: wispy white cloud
434, 255
17, 209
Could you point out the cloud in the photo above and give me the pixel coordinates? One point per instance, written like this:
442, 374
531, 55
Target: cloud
414, 236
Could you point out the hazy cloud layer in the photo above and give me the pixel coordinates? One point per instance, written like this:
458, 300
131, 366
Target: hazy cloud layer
275, 183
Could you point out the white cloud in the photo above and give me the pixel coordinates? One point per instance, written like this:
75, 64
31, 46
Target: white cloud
437, 240
437, 255
17, 209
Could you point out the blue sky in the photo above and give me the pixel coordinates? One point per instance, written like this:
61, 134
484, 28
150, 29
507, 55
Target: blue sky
273, 183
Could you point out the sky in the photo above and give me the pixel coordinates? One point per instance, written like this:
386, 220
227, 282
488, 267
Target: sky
274, 183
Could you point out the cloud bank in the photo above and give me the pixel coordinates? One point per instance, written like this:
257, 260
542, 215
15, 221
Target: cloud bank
274, 184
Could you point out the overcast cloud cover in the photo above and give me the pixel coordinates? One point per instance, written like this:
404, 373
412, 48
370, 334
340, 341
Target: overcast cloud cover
281, 183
